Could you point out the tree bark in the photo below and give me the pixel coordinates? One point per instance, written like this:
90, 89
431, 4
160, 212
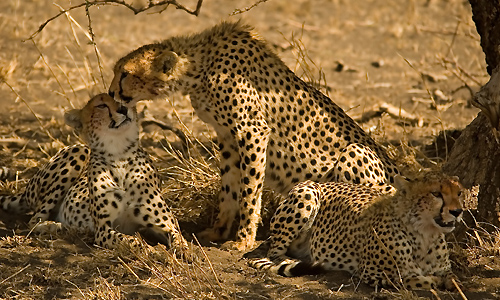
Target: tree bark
486, 14
475, 157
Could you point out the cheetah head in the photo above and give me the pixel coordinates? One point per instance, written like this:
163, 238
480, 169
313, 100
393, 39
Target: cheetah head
103, 121
436, 201
147, 73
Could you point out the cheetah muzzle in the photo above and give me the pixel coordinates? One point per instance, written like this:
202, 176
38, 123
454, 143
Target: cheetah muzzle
122, 118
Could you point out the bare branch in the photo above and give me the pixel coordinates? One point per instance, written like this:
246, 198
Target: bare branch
240, 11
97, 54
136, 11
63, 92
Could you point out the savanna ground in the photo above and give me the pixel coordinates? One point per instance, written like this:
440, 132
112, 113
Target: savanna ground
420, 60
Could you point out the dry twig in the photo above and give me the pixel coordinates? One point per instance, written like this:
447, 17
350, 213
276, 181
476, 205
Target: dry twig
391, 110
136, 11
243, 10
32, 111
16, 273
145, 119
63, 92
97, 54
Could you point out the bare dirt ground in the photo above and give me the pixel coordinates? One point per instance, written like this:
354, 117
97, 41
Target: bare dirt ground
420, 58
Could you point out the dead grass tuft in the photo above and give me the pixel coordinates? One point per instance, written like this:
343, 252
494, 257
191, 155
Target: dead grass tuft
102, 290
305, 67
401, 294
162, 269
192, 183
7, 68
484, 240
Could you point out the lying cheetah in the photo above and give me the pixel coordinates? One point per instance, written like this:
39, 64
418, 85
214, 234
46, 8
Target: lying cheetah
109, 187
387, 240
49, 187
270, 123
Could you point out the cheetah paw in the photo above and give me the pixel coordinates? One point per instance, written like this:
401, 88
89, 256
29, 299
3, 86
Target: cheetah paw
48, 227
449, 282
210, 235
238, 245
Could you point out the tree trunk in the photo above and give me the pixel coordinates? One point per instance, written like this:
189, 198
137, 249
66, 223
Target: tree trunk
486, 15
475, 157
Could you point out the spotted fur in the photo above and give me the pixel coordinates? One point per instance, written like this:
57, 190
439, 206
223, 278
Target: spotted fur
48, 188
109, 187
386, 240
272, 126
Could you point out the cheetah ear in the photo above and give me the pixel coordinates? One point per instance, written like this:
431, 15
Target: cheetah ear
73, 118
401, 183
165, 64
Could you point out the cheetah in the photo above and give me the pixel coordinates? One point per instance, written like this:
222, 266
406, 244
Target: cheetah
48, 188
272, 127
387, 240
109, 187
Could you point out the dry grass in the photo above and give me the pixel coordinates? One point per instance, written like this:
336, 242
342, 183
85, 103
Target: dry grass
305, 67
191, 184
483, 240
191, 177
174, 276
112, 273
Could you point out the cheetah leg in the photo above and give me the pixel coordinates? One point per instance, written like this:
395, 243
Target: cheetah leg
420, 282
243, 177
359, 164
441, 266
252, 144
230, 191
75, 208
50, 184
292, 221
402, 271
107, 204
252, 135
159, 225
60, 173
106, 208
241, 116
73, 212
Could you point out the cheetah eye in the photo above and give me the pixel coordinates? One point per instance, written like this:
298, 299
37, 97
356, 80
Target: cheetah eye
459, 193
102, 106
123, 75
437, 194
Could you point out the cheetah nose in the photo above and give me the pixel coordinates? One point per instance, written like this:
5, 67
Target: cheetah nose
111, 93
456, 212
122, 110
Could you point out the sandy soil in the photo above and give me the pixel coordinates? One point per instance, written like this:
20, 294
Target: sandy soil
420, 57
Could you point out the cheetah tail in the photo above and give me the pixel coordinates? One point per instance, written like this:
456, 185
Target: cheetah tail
13, 204
286, 267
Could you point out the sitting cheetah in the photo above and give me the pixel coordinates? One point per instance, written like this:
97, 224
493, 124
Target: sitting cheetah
270, 124
109, 187
387, 240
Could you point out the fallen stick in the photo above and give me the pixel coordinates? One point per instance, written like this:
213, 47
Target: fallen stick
391, 110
